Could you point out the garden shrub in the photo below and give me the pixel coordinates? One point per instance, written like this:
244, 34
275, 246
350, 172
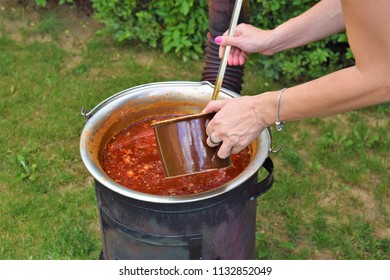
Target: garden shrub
180, 27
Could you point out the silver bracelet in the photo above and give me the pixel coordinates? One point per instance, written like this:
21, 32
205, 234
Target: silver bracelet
279, 124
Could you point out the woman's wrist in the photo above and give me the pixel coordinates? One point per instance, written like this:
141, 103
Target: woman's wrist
269, 42
283, 38
265, 108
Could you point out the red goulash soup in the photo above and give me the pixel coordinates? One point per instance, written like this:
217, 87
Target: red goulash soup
131, 159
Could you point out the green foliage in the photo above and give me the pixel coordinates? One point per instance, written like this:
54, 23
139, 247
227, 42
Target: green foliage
28, 171
184, 31
168, 24
180, 27
43, 3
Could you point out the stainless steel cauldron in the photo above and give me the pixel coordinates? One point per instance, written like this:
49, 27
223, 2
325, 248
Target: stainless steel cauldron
218, 224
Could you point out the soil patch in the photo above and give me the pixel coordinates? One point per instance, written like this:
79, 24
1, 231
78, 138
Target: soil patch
74, 24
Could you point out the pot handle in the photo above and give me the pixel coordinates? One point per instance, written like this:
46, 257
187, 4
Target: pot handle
262, 187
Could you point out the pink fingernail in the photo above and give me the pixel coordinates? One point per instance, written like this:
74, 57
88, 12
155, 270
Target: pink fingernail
218, 40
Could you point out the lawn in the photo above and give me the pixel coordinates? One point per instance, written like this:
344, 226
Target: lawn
330, 198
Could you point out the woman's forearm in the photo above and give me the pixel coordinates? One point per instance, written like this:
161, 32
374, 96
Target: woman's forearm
341, 91
365, 84
320, 21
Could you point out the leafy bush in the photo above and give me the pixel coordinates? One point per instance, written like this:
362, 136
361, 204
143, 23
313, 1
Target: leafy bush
180, 26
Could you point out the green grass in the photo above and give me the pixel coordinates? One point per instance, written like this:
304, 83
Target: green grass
331, 193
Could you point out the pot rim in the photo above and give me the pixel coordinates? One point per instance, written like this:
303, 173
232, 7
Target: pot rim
93, 116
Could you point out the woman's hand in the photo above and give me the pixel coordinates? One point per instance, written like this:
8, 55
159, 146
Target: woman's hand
322, 20
247, 39
236, 124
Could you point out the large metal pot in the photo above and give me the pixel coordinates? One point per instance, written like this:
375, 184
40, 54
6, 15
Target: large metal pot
143, 226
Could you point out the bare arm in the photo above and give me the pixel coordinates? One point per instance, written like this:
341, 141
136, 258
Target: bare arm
323, 19
367, 83
239, 121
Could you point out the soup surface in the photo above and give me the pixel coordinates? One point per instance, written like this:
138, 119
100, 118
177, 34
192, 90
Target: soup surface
131, 158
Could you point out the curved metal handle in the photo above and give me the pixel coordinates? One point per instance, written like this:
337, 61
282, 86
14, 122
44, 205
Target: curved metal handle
277, 149
262, 187
272, 150
89, 113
